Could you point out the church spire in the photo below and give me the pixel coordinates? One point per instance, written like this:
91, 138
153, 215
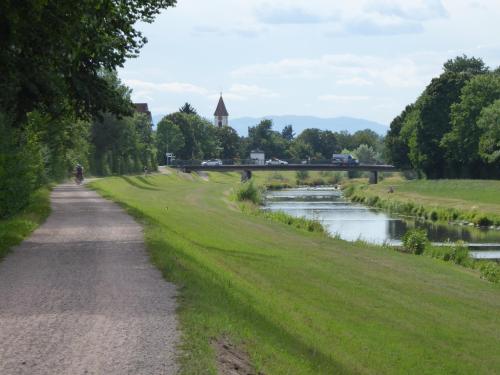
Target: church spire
221, 115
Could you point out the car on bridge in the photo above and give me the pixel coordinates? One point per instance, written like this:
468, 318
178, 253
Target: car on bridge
211, 163
344, 160
275, 161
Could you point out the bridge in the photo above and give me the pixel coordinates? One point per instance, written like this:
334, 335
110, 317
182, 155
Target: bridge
247, 167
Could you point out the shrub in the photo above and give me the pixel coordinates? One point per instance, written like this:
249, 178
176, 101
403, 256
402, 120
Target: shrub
490, 271
415, 241
301, 175
459, 253
482, 221
249, 192
433, 215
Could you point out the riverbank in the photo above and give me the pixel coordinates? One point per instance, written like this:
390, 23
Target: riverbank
462, 202
16, 228
299, 302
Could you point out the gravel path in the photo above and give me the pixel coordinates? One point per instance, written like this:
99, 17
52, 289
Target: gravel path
81, 297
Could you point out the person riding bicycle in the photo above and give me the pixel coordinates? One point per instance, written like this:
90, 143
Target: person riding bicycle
79, 173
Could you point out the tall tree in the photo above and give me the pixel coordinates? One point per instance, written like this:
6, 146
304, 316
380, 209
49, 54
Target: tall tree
489, 142
465, 64
287, 133
227, 142
188, 109
396, 144
462, 142
434, 108
56, 50
169, 138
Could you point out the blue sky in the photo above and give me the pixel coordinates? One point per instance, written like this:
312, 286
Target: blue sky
359, 58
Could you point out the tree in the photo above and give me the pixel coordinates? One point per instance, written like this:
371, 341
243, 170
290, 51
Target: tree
228, 142
169, 138
300, 150
263, 137
366, 137
396, 146
56, 50
462, 142
464, 64
287, 133
434, 108
489, 142
366, 154
188, 109
199, 136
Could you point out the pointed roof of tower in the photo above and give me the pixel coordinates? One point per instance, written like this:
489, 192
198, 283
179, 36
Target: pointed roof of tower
221, 108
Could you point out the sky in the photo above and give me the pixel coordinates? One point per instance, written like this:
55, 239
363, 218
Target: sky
359, 58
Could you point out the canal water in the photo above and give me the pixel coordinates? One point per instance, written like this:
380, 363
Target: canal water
352, 221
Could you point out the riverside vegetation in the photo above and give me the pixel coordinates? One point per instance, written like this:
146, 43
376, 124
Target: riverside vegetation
459, 201
301, 302
415, 241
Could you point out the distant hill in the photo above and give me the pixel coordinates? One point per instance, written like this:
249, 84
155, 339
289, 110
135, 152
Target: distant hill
300, 123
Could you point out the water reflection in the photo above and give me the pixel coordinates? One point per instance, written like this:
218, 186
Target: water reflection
353, 221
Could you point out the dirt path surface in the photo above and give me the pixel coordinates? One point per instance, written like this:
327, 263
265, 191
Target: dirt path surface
81, 297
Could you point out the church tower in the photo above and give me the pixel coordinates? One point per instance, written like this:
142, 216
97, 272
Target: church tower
221, 115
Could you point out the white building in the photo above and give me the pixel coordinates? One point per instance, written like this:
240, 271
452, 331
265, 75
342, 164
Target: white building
258, 157
221, 115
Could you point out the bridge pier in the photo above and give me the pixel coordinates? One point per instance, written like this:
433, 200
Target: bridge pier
374, 177
246, 175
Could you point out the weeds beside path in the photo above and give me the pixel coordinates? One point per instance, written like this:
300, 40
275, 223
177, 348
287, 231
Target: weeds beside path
299, 302
16, 228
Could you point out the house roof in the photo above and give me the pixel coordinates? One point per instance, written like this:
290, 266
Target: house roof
143, 108
221, 108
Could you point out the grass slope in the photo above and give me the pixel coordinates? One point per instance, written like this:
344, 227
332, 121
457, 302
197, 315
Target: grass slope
470, 198
14, 229
302, 303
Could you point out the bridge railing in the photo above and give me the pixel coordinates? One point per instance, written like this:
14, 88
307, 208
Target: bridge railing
196, 162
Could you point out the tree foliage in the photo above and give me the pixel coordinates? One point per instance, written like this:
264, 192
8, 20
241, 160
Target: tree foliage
440, 134
489, 143
188, 109
56, 50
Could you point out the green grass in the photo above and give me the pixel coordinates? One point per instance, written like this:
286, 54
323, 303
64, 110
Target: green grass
302, 303
476, 201
14, 229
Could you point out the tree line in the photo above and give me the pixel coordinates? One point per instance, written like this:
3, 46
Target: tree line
191, 137
60, 100
452, 130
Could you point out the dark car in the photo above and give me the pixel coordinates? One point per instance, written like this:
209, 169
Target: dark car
344, 160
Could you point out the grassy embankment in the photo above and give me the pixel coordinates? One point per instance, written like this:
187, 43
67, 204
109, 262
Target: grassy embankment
473, 201
303, 303
14, 229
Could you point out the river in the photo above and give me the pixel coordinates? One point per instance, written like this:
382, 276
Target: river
352, 221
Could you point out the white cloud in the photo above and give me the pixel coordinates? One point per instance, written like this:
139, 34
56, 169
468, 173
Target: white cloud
375, 25
391, 71
269, 14
167, 87
242, 92
420, 10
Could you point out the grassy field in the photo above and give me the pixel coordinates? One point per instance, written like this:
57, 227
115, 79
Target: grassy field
300, 302
471, 199
18, 227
